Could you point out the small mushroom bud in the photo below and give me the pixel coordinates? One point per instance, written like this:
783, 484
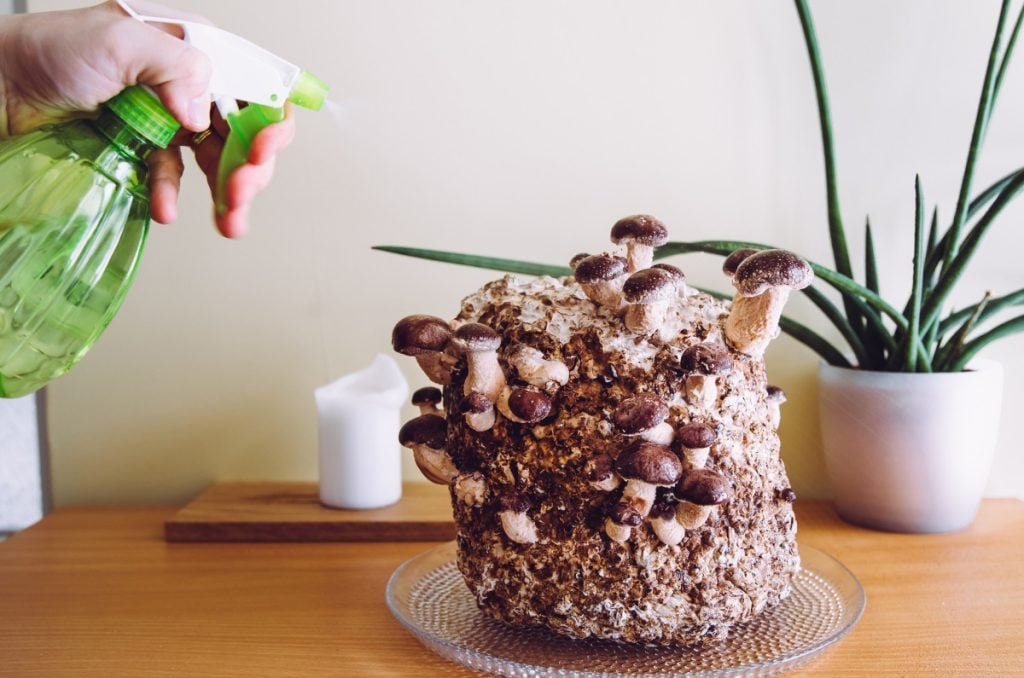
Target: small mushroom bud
524, 405
736, 258
776, 396
699, 492
427, 399
601, 277
640, 233
470, 489
425, 337
648, 293
702, 364
478, 411
530, 365
514, 521
665, 525
646, 467
621, 520
644, 416
763, 282
426, 435
787, 495
601, 473
696, 440
480, 345
574, 262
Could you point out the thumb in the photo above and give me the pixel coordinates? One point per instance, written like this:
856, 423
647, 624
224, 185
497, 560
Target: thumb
176, 71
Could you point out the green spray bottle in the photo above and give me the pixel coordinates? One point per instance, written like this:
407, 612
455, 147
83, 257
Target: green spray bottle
74, 207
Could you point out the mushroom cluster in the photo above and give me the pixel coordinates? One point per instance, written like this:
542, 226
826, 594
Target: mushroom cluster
660, 471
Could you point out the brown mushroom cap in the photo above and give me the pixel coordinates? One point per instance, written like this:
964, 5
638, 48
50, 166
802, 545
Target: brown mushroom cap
771, 268
787, 494
513, 501
705, 360
600, 267
642, 229
625, 514
428, 429
575, 261
475, 403
776, 394
649, 284
704, 488
649, 463
697, 435
640, 413
428, 395
735, 259
600, 468
419, 334
477, 337
675, 271
665, 510
529, 404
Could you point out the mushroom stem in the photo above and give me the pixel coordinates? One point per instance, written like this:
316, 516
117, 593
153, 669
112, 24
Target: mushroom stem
640, 496
754, 321
481, 421
606, 293
639, 256
518, 526
662, 434
617, 533
646, 317
695, 457
485, 375
435, 464
532, 368
701, 391
668, 530
691, 516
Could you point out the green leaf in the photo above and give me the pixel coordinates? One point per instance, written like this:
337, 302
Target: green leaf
476, 261
1010, 327
977, 138
813, 341
948, 353
870, 263
991, 308
914, 330
1007, 53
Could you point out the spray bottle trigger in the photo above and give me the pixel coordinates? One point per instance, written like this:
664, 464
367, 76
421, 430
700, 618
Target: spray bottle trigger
244, 125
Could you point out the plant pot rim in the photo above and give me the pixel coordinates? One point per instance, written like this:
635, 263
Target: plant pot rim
974, 367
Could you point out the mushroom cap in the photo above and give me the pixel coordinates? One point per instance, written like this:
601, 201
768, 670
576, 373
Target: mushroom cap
735, 259
475, 403
428, 395
600, 467
600, 267
419, 334
574, 262
427, 429
704, 488
705, 360
697, 435
624, 513
665, 510
642, 229
771, 268
529, 404
477, 337
676, 272
640, 413
648, 284
787, 494
515, 502
649, 463
776, 394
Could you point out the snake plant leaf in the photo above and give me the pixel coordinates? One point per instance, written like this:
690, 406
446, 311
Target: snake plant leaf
914, 330
477, 261
1013, 326
993, 306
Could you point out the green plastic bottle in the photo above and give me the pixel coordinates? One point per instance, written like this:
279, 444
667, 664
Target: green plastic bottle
74, 214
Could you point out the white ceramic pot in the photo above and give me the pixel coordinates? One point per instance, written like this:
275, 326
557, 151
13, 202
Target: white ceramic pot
910, 452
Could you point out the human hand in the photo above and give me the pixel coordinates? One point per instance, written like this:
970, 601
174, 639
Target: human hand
55, 66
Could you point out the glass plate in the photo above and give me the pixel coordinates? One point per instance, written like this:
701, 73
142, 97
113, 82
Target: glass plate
428, 596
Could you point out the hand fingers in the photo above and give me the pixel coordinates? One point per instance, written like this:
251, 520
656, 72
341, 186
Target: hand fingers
271, 140
165, 170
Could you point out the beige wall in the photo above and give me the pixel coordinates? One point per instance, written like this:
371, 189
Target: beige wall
521, 129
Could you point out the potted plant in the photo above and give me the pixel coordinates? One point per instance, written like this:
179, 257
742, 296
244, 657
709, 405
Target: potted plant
909, 412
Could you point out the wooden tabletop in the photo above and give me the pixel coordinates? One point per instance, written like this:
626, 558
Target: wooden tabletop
98, 592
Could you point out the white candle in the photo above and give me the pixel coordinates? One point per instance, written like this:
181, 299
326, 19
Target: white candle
360, 456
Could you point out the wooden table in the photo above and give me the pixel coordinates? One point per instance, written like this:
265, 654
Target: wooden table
98, 592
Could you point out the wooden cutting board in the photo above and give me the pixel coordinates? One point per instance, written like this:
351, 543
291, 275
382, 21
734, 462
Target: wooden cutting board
292, 512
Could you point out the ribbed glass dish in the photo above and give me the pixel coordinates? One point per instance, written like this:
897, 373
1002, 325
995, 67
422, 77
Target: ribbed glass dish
427, 595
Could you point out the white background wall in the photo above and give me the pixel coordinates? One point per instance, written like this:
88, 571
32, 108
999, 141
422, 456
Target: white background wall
523, 129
